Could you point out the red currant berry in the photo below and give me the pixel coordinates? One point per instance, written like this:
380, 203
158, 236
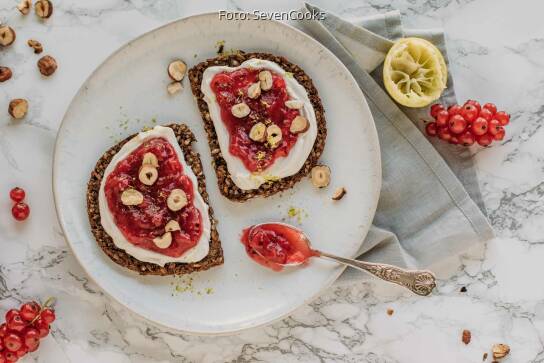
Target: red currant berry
3, 330
20, 211
457, 124
42, 327
34, 348
30, 310
435, 109
474, 103
2, 357
500, 134
484, 140
454, 110
17, 194
11, 313
22, 352
13, 342
479, 126
431, 129
442, 118
485, 113
48, 315
503, 118
454, 140
10, 357
32, 337
16, 323
444, 133
494, 126
469, 112
491, 107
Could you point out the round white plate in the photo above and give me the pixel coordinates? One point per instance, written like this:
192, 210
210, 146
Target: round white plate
128, 92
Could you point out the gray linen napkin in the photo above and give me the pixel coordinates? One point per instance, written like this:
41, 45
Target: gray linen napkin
430, 204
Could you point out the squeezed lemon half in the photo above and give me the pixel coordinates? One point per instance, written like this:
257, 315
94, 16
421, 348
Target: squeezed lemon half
414, 72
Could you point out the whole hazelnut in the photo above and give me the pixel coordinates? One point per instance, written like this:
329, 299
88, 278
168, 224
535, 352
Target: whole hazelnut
47, 65
5, 74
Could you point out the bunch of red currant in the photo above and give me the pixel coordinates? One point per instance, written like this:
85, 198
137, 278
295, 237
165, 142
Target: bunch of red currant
464, 125
23, 329
20, 210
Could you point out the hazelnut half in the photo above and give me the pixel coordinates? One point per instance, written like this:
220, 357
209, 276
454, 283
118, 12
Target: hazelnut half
148, 174
5, 74
163, 241
321, 176
172, 226
18, 108
24, 6
7, 35
500, 351
176, 70
240, 110
174, 87
273, 136
258, 132
34, 44
339, 193
294, 104
150, 159
254, 90
47, 65
43, 8
176, 200
299, 125
131, 197
265, 77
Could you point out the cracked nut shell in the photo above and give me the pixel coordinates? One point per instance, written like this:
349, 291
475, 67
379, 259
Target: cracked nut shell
43, 8
24, 6
18, 108
47, 65
5, 74
339, 193
7, 35
34, 44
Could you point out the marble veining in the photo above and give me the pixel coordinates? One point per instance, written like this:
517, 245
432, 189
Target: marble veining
495, 50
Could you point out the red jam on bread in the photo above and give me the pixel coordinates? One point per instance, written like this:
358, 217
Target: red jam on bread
274, 245
253, 108
141, 208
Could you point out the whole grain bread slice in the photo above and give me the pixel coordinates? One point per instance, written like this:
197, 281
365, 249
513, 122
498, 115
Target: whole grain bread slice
226, 184
185, 139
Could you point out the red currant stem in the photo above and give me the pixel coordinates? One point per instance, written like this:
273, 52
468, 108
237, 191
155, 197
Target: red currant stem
48, 303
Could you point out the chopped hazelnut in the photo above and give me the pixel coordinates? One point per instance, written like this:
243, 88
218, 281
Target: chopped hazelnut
254, 90
240, 110
18, 108
37, 46
320, 176
265, 77
500, 351
299, 125
24, 6
176, 70
258, 132
174, 87
273, 136
466, 336
390, 311
339, 193
47, 65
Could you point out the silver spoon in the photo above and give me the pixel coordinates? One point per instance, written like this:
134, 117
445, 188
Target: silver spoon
420, 282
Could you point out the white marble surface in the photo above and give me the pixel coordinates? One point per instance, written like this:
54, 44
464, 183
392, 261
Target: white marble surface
496, 50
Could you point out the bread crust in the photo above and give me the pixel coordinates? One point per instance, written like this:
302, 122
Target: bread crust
224, 180
185, 139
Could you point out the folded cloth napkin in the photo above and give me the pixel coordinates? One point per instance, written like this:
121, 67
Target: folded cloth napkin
430, 204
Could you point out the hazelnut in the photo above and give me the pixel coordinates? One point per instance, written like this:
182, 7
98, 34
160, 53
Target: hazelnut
18, 108
172, 226
47, 65
24, 6
37, 46
466, 336
176, 200
339, 193
150, 159
294, 104
43, 8
240, 110
7, 35
265, 77
273, 136
131, 197
321, 176
176, 70
500, 351
258, 132
299, 125
174, 87
163, 241
148, 174
5, 74
254, 90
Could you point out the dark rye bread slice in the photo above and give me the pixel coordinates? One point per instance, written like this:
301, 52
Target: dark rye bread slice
226, 185
215, 257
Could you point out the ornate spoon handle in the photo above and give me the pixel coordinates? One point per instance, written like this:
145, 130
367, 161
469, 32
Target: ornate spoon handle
421, 282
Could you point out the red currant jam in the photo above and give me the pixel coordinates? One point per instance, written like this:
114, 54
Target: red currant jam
230, 88
141, 223
274, 245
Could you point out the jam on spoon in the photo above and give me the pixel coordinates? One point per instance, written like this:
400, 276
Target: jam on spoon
276, 245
